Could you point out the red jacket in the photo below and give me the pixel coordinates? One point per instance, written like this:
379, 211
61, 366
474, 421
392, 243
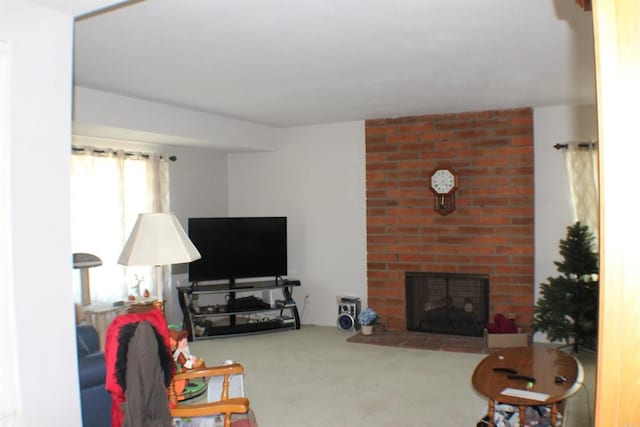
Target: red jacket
115, 367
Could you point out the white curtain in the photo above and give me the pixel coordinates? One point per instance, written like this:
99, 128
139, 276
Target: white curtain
582, 166
108, 190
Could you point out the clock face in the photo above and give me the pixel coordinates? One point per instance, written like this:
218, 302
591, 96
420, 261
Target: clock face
443, 181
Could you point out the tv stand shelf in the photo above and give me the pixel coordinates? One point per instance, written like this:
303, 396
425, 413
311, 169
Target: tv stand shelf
241, 314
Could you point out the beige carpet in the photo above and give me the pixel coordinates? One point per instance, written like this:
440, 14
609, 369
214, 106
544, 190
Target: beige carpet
314, 377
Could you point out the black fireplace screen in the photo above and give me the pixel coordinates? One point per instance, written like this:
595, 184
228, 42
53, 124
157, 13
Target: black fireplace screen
447, 303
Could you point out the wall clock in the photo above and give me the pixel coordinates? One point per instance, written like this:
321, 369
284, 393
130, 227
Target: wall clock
444, 183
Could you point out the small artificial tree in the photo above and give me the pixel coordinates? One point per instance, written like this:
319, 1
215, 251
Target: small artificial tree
568, 307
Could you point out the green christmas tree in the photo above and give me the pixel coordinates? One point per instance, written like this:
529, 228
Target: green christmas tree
568, 307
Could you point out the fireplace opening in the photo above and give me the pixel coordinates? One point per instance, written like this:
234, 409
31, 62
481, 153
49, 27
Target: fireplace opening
447, 303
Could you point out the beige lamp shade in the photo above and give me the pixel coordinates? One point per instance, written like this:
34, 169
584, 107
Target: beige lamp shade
158, 239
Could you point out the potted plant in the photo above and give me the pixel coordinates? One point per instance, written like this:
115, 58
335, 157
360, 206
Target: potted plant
367, 318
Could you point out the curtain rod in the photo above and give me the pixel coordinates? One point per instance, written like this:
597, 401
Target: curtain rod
126, 153
566, 145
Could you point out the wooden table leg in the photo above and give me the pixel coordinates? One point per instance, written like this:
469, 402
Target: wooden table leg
491, 412
554, 414
522, 412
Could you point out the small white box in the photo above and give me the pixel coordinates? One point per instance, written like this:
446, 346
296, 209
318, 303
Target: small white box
506, 340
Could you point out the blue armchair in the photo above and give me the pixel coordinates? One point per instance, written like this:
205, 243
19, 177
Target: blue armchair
96, 401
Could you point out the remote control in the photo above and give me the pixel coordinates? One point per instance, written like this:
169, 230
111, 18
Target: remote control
560, 379
508, 370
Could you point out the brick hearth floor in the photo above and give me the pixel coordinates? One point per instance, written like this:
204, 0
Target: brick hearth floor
424, 341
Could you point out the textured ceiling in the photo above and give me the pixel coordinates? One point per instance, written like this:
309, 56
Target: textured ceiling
299, 62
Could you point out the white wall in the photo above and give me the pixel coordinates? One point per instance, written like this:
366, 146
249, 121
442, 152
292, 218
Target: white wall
40, 132
198, 185
317, 179
553, 208
104, 114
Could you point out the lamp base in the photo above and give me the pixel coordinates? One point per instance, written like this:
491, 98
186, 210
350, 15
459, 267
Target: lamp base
159, 304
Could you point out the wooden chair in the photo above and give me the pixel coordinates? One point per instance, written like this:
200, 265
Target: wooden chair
123, 344
225, 406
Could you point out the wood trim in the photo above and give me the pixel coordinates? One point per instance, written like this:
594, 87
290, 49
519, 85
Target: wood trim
617, 49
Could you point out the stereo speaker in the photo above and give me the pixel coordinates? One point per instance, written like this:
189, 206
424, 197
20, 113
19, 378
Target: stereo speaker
348, 315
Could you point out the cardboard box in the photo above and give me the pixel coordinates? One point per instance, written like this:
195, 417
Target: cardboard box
506, 340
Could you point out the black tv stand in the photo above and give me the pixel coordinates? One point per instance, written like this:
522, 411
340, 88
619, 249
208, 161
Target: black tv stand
240, 315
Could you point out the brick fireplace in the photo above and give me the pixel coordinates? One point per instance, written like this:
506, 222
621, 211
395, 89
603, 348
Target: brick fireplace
490, 232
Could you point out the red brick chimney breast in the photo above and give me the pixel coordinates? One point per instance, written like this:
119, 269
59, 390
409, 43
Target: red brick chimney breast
490, 232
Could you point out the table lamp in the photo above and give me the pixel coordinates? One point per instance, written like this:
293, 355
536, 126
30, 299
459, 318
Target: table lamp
158, 239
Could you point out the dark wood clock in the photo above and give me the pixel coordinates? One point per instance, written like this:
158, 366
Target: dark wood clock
443, 184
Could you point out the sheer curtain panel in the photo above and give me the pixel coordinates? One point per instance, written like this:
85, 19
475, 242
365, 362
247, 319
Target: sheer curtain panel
109, 188
582, 166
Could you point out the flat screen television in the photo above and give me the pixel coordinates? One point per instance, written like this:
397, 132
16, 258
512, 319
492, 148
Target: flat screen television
236, 248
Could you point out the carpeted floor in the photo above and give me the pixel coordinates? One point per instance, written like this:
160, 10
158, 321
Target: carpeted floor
580, 409
321, 377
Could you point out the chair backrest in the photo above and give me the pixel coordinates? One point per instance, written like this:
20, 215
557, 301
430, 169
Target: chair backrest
225, 406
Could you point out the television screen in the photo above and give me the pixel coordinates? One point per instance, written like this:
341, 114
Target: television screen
235, 248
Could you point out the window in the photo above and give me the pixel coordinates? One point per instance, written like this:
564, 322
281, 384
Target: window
109, 189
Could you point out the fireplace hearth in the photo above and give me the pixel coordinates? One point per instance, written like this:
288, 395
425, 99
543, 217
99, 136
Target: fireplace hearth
447, 303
